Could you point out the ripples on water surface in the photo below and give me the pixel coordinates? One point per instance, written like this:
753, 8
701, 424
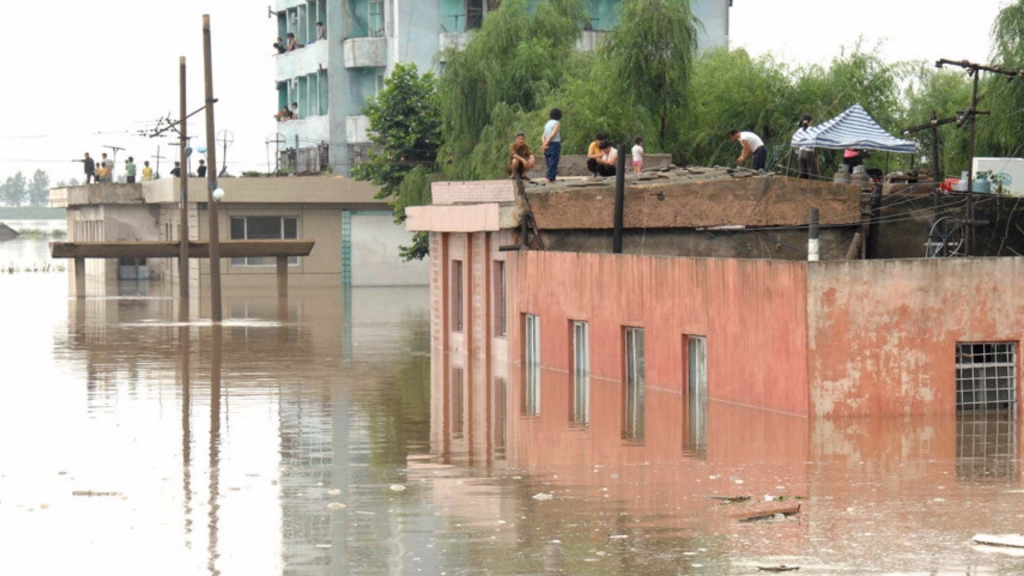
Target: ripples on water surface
136, 444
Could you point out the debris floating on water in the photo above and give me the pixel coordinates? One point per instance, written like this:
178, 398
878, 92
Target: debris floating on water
543, 496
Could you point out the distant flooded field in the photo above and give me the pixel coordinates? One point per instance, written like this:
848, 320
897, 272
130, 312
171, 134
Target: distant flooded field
305, 439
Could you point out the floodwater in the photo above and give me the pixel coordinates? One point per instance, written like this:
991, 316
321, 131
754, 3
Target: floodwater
306, 439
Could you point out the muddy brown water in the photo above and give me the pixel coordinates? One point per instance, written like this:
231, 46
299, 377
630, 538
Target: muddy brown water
133, 443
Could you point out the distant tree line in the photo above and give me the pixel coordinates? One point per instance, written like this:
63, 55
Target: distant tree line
646, 80
18, 191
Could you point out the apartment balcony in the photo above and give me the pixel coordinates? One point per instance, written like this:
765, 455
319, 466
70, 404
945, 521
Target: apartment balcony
590, 41
367, 52
307, 60
456, 40
304, 131
357, 129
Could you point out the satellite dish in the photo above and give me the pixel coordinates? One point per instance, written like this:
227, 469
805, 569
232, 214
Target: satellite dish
188, 151
201, 149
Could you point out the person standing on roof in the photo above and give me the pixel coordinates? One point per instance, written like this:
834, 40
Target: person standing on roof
806, 159
551, 143
90, 168
752, 146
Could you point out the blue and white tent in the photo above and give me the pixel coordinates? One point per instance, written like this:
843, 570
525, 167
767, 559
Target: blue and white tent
854, 128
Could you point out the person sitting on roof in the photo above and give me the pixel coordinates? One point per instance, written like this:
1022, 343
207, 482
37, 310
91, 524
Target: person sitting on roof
609, 157
520, 158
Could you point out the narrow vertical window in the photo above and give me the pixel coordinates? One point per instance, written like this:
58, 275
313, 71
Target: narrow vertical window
500, 303
457, 403
531, 364
580, 373
500, 419
634, 416
456, 292
697, 395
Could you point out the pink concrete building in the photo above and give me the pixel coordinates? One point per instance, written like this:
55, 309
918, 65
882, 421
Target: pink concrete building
619, 340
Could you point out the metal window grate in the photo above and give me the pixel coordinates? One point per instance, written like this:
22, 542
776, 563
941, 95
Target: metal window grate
986, 446
986, 376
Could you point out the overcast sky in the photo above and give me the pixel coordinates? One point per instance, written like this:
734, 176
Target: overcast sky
79, 76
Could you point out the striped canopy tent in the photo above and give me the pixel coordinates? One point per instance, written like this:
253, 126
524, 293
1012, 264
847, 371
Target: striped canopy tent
854, 128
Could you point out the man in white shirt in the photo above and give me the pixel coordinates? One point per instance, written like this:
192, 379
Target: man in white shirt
752, 146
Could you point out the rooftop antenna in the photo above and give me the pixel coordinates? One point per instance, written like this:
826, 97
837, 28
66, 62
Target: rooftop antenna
115, 149
227, 138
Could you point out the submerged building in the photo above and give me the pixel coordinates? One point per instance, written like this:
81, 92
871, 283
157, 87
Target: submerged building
332, 78
713, 301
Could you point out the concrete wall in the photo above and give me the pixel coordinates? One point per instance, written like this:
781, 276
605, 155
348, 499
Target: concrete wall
882, 334
375, 244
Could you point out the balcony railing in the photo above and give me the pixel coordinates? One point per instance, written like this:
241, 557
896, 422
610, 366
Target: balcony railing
367, 52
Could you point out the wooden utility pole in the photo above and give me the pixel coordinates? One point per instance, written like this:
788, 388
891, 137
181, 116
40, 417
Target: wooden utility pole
211, 176
974, 70
183, 208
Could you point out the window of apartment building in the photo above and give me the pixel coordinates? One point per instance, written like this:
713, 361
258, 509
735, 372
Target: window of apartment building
633, 422
379, 87
696, 395
322, 93
986, 376
264, 228
375, 17
580, 373
303, 97
500, 419
282, 95
531, 364
458, 403
500, 305
456, 295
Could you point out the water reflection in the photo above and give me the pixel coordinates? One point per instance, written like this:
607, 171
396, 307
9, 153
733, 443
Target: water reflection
328, 440
882, 494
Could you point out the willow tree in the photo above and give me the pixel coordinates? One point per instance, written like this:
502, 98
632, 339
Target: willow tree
1000, 135
651, 49
513, 62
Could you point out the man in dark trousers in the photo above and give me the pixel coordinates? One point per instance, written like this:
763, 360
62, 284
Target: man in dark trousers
90, 168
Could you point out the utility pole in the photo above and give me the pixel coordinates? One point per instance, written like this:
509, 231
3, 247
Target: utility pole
114, 159
211, 176
157, 158
974, 70
183, 180
227, 138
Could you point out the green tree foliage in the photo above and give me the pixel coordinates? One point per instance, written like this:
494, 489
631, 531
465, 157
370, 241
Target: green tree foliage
13, 191
511, 66
1000, 133
39, 189
651, 52
944, 92
405, 128
732, 90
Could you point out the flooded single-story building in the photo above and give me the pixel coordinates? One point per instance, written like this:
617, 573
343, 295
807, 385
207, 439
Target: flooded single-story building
357, 240
713, 300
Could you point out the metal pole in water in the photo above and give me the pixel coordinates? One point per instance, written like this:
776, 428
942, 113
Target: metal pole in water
183, 179
812, 238
211, 177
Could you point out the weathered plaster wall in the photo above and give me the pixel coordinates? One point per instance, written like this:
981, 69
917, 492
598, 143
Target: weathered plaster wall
751, 311
882, 334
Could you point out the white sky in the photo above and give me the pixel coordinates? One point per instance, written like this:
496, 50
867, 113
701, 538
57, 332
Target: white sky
80, 75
